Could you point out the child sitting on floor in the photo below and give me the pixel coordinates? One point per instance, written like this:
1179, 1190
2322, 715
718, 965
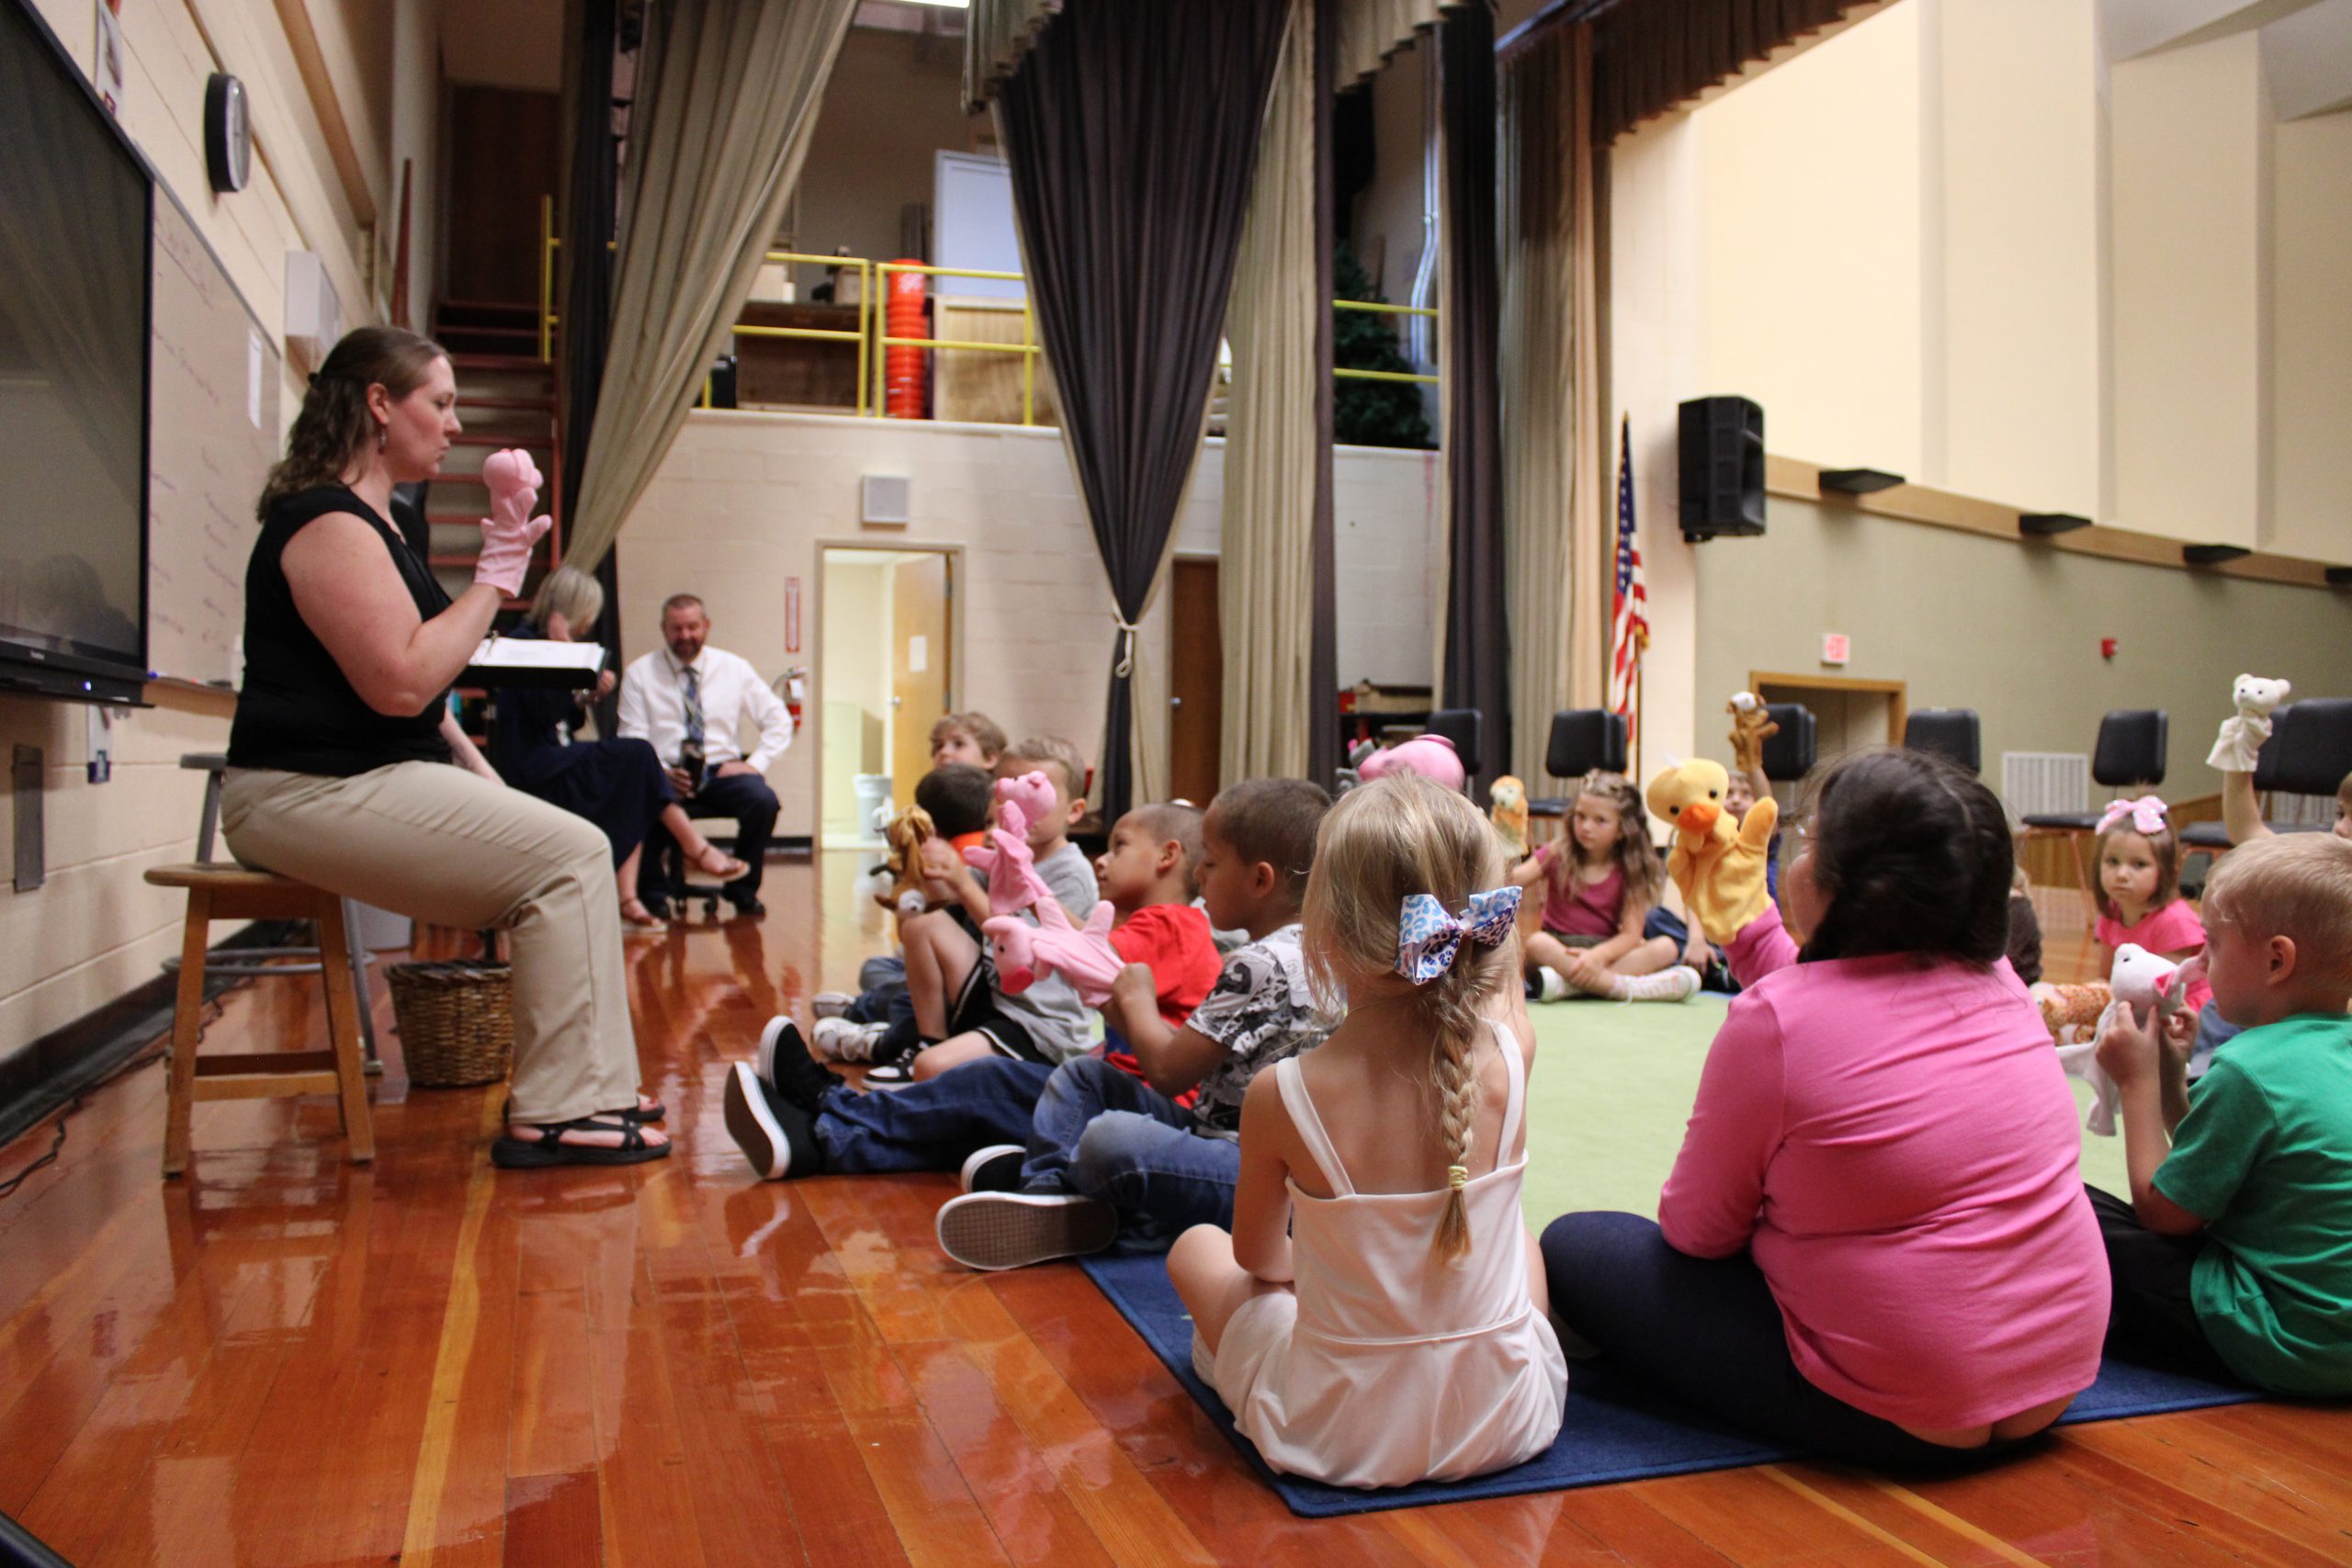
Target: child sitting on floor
971, 738
1372, 1319
2231, 1255
1593, 931
2139, 901
961, 1013
793, 1118
1109, 1155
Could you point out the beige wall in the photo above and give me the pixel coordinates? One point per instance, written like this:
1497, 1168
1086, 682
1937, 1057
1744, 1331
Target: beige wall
2311, 402
95, 930
745, 500
2007, 629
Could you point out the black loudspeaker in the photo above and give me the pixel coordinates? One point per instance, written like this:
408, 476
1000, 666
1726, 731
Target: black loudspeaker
1723, 468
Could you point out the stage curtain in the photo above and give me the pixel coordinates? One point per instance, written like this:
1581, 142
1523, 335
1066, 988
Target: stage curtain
1372, 30
1554, 540
583, 281
997, 33
1646, 58
727, 96
1131, 132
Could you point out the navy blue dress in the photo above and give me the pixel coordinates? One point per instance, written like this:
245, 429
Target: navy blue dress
617, 784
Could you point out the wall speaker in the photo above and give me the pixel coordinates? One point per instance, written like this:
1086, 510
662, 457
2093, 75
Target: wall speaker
886, 501
1722, 462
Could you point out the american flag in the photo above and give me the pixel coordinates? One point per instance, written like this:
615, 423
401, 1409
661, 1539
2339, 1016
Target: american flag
1628, 629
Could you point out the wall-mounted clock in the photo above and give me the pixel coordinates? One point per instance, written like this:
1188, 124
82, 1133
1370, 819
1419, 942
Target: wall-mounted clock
228, 134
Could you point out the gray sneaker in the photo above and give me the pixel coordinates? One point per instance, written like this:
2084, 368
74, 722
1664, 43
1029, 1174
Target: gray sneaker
831, 1004
1012, 1229
839, 1040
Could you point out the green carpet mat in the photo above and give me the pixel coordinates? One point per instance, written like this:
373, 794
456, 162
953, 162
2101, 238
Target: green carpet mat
1612, 1087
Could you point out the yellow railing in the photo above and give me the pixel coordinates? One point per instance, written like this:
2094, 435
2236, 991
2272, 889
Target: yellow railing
871, 333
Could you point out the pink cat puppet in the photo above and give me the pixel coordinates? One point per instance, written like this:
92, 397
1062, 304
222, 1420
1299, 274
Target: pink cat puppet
1082, 955
1006, 860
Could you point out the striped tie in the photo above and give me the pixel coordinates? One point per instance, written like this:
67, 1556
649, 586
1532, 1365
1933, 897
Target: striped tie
694, 704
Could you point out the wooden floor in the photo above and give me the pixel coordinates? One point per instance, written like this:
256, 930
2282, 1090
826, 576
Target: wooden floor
281, 1360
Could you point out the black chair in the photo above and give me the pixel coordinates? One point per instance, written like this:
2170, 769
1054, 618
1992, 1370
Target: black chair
2309, 753
1582, 740
1791, 753
1952, 734
2129, 755
1465, 728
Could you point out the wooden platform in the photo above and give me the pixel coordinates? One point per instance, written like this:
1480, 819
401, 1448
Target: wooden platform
287, 1360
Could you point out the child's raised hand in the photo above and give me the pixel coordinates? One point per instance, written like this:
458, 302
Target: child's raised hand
2126, 1048
939, 859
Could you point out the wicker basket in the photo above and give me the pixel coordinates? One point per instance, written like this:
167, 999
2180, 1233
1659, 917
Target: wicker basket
457, 1020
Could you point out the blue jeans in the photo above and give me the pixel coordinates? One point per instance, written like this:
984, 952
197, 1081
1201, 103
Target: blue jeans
933, 1125
2213, 1031
1107, 1134
881, 986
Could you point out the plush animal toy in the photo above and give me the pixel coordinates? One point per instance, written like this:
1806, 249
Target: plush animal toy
1718, 863
900, 877
1011, 870
1082, 955
1431, 756
2243, 731
1509, 814
1751, 726
2147, 984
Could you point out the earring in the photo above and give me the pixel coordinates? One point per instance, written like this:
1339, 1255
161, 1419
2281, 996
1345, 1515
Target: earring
383, 436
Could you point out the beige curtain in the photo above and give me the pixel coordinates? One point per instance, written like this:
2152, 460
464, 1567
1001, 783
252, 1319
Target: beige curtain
997, 33
1265, 570
1372, 30
1554, 537
727, 98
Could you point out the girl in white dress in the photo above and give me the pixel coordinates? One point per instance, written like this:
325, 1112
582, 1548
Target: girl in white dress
1372, 1318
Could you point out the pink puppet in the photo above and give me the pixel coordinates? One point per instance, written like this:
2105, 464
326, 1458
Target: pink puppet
1006, 860
1431, 756
1025, 951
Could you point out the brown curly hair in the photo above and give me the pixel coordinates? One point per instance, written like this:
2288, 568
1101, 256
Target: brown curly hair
335, 428
1638, 858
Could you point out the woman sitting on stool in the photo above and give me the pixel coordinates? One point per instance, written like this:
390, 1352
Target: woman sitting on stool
339, 757
618, 784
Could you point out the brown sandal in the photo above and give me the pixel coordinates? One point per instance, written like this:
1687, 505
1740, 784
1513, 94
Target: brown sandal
642, 921
729, 872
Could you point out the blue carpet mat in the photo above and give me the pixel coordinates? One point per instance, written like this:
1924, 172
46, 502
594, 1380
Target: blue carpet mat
1615, 1429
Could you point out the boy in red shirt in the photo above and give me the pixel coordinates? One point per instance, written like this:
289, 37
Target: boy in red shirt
792, 1117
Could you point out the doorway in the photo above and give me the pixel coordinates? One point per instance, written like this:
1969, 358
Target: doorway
886, 674
1849, 713
1195, 682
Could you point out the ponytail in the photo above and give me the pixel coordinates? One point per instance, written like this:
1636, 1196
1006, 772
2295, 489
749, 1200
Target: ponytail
1451, 1005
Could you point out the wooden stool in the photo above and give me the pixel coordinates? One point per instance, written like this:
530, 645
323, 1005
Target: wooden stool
232, 893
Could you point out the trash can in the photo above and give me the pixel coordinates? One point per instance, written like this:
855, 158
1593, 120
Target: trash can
873, 807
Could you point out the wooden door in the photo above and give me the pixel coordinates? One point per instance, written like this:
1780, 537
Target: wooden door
1195, 682
918, 672
505, 153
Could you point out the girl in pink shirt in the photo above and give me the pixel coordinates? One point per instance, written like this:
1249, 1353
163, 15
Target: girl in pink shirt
1875, 1244
2139, 901
1597, 884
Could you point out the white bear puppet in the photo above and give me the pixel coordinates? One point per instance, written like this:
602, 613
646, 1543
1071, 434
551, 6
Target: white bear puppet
2243, 731
2144, 982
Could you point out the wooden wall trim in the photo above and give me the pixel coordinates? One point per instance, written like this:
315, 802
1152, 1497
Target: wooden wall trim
1796, 479
303, 39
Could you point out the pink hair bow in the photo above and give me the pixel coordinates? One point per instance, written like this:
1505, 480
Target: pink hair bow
2147, 813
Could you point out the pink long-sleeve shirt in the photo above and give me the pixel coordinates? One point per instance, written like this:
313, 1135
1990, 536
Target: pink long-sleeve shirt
1895, 1142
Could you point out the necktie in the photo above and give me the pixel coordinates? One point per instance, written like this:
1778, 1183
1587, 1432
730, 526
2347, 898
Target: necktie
693, 688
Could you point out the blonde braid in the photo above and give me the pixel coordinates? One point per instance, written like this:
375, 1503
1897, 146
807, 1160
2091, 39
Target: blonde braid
1452, 1011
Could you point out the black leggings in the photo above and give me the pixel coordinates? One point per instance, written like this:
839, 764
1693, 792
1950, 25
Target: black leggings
1708, 1332
2153, 1321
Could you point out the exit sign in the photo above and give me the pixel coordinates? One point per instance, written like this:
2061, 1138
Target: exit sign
1836, 649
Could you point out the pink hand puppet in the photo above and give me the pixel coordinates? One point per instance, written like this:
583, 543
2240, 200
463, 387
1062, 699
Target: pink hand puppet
1431, 756
1006, 860
510, 530
1082, 955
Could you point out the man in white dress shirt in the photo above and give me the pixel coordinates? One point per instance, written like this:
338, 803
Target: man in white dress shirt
693, 695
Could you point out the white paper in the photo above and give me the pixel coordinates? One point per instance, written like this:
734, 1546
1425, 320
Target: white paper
537, 653
918, 654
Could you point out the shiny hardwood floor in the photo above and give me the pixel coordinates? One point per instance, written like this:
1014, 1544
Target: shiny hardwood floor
280, 1359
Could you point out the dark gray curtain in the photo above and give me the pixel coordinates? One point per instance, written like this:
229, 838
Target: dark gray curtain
1648, 57
1477, 622
591, 189
1323, 649
1131, 133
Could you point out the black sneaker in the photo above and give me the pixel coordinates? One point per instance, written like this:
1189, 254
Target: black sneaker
775, 1135
1013, 1230
996, 1169
784, 1064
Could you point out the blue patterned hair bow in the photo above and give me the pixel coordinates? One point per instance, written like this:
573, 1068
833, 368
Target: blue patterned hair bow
1428, 937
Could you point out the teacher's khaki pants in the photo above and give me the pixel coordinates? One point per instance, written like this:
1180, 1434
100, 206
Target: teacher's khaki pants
435, 842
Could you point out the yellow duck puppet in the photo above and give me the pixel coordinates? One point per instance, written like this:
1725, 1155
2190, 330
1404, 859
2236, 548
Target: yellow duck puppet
1717, 861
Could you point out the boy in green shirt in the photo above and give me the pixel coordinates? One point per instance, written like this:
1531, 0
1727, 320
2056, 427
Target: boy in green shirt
2234, 1254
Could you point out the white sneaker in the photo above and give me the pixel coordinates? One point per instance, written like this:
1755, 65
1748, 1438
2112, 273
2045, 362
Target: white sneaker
1012, 1229
839, 1040
1679, 984
1552, 987
996, 1169
831, 1004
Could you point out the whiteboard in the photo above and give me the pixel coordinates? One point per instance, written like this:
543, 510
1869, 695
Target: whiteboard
213, 434
972, 224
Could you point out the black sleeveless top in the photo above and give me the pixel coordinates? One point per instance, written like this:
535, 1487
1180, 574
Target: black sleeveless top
297, 713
